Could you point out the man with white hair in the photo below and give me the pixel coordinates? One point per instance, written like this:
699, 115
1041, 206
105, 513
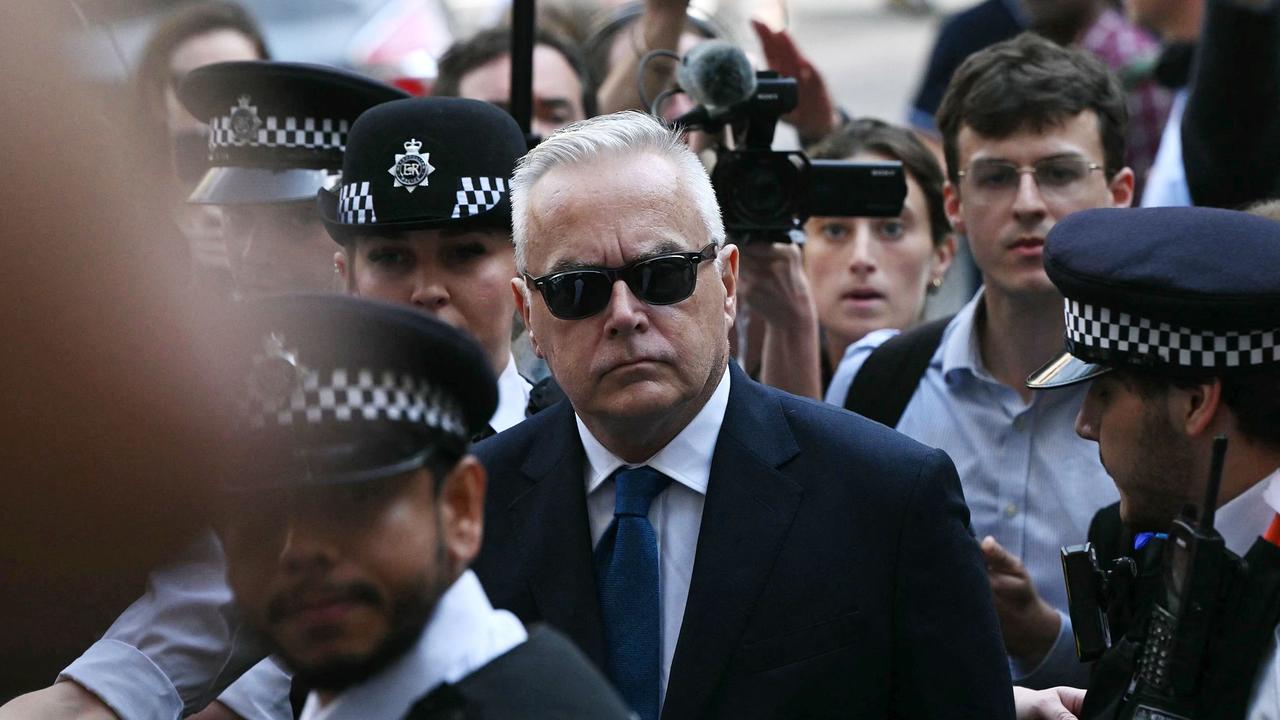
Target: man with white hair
719, 548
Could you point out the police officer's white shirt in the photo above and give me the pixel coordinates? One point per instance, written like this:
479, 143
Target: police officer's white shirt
465, 633
513, 397
173, 648
1265, 701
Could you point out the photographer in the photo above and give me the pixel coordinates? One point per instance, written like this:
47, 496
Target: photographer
855, 274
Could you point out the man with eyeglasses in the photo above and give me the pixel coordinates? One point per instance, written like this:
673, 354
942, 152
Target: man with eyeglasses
720, 548
1032, 132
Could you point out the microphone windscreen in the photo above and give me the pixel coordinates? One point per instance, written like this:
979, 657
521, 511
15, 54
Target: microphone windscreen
717, 75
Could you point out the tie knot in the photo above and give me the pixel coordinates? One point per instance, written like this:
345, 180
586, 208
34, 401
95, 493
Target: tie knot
636, 488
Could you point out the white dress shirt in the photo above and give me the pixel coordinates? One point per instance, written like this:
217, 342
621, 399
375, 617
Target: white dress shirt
464, 634
513, 397
676, 514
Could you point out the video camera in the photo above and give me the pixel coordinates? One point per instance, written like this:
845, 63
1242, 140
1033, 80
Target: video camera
765, 193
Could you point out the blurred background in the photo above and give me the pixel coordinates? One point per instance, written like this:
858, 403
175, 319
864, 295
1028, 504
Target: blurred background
871, 51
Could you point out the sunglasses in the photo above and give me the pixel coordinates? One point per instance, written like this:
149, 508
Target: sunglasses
660, 280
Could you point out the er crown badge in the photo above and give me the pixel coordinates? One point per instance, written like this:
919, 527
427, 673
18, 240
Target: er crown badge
411, 168
245, 121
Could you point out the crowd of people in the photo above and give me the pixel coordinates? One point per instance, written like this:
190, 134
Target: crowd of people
498, 420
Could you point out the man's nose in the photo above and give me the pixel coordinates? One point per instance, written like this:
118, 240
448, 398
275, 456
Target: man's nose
305, 545
1086, 419
1029, 201
625, 314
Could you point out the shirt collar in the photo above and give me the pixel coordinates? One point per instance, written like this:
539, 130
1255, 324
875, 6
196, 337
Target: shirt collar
513, 397
686, 459
464, 634
960, 347
1247, 515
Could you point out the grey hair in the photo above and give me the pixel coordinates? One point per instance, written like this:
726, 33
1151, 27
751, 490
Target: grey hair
610, 136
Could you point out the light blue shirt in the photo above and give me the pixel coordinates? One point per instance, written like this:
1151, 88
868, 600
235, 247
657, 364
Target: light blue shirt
1167, 179
1028, 479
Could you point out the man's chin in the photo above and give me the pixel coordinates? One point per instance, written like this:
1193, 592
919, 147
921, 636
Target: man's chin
339, 670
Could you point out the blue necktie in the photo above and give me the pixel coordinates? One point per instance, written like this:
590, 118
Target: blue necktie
627, 581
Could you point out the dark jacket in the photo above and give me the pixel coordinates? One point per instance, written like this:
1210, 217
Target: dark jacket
835, 573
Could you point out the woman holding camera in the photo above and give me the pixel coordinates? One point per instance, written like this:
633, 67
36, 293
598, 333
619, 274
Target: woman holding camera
854, 275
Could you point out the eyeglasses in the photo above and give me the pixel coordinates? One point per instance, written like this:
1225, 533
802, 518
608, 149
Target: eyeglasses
1058, 178
660, 280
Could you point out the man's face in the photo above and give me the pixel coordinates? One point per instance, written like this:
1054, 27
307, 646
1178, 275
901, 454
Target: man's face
557, 89
1006, 228
341, 579
462, 278
633, 361
1140, 447
278, 248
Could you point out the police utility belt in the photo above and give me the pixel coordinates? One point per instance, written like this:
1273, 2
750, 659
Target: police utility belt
1203, 624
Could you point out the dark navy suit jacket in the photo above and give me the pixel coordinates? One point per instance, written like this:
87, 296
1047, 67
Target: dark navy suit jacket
835, 574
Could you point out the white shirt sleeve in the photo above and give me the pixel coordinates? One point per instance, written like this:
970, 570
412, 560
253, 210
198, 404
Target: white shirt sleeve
176, 647
260, 694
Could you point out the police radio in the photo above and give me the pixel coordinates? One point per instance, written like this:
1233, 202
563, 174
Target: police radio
1199, 575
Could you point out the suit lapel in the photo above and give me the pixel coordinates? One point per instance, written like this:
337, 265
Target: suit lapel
550, 521
749, 508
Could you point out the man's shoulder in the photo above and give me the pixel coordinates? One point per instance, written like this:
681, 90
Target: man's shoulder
545, 676
832, 430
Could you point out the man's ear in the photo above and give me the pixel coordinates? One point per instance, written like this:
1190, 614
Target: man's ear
1121, 187
728, 255
954, 209
460, 502
1196, 409
521, 291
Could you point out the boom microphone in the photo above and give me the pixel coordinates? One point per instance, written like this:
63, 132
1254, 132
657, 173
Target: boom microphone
716, 75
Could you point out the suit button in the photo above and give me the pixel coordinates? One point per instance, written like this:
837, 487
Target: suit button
1010, 510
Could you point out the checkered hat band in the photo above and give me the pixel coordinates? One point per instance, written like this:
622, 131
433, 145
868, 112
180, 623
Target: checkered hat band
476, 195
289, 132
355, 204
343, 395
1103, 332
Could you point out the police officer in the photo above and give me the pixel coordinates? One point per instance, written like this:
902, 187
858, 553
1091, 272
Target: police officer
423, 216
1173, 316
355, 509
277, 134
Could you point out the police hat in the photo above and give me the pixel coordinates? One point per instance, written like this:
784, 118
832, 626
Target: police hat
277, 130
1179, 291
425, 163
334, 389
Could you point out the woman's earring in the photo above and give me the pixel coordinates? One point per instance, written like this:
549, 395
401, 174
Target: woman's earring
935, 284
